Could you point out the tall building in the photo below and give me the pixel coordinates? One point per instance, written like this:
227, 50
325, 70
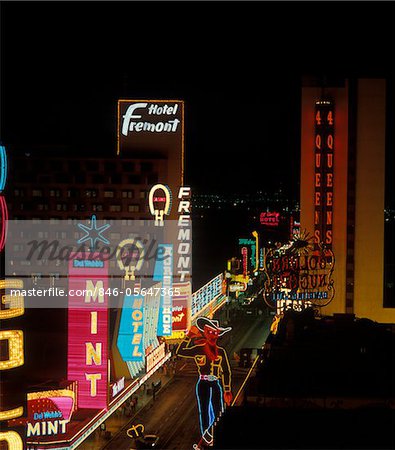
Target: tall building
103, 352
343, 191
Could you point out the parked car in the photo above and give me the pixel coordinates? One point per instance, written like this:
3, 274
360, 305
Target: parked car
145, 442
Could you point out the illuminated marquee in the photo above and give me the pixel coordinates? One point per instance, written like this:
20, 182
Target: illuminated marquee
182, 306
49, 412
88, 332
323, 172
155, 356
207, 293
299, 278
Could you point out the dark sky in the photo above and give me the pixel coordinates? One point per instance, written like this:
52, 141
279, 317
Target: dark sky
237, 65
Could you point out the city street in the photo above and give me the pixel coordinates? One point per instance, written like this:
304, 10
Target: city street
173, 416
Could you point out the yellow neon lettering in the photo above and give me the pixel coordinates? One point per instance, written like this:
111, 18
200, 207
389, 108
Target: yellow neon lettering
15, 349
93, 378
15, 302
11, 413
93, 291
93, 322
93, 354
13, 440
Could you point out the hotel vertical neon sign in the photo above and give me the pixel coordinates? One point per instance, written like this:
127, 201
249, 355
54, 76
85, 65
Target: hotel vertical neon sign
88, 330
323, 173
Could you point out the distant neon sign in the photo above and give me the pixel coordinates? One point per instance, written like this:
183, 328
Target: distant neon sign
271, 219
244, 256
206, 294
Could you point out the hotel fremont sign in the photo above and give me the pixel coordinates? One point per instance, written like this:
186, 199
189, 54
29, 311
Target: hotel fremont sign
300, 278
150, 125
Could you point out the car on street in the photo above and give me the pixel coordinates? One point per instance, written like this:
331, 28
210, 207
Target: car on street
145, 442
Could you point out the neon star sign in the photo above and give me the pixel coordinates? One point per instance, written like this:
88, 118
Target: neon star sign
92, 233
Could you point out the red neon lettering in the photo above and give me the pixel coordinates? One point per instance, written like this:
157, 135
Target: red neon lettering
318, 160
317, 180
329, 160
317, 199
318, 141
329, 180
329, 197
328, 239
329, 141
329, 217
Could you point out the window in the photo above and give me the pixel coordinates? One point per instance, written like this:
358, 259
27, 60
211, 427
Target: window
19, 193
97, 207
134, 179
128, 167
72, 193
110, 167
90, 193
109, 194
61, 207
115, 208
37, 193
54, 193
127, 194
42, 207
147, 167
143, 194
98, 179
133, 208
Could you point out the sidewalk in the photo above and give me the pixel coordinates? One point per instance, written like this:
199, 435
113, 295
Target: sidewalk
98, 439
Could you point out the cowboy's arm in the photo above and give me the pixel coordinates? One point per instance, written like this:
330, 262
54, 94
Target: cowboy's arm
185, 350
226, 372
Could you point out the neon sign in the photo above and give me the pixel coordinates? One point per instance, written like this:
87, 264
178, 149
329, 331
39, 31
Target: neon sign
154, 202
4, 222
299, 278
271, 219
150, 123
213, 387
131, 329
244, 256
3, 167
164, 273
207, 293
88, 332
184, 237
155, 356
323, 173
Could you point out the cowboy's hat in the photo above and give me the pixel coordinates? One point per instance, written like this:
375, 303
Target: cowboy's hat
202, 321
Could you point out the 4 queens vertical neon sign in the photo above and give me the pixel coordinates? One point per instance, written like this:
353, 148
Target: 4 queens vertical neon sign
323, 172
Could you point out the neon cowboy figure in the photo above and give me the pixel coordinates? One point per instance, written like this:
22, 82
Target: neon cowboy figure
214, 383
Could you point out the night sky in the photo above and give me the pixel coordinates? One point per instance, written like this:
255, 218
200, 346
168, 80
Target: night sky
237, 65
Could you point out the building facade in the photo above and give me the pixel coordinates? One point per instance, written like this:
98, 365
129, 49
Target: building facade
343, 188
